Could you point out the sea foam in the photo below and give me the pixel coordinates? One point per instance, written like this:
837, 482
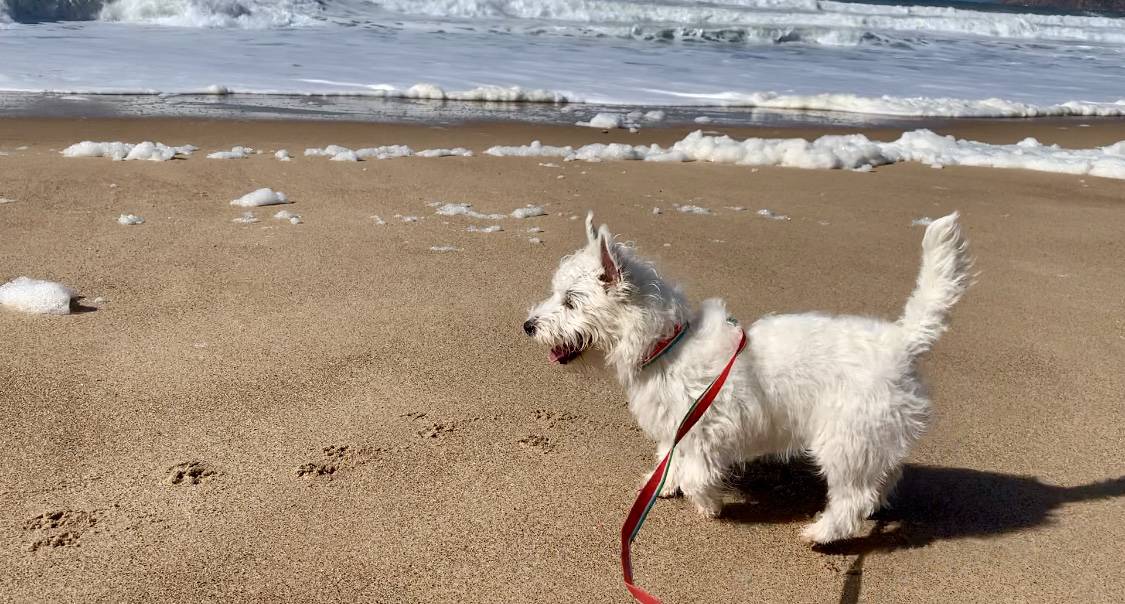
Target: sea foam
35, 296
238, 152
852, 151
119, 151
261, 197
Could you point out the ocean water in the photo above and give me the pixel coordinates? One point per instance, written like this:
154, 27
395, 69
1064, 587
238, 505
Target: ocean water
801, 55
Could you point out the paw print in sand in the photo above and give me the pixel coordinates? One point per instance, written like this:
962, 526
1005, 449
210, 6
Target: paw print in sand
437, 430
190, 473
336, 458
434, 429
61, 528
553, 418
537, 442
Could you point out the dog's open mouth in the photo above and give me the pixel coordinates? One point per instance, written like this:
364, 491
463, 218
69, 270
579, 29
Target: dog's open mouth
564, 354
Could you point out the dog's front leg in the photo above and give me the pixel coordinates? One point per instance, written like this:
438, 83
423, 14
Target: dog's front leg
701, 480
671, 486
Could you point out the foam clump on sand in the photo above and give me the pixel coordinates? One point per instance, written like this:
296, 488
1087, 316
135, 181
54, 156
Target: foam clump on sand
384, 152
614, 152
246, 218
119, 151
528, 212
454, 152
833, 151
605, 121
766, 213
283, 155
655, 115
444, 248
929, 148
331, 152
488, 229
826, 152
238, 152
535, 149
850, 152
339, 153
261, 197
923, 221
690, 209
35, 296
465, 209
4, 200
129, 219
288, 216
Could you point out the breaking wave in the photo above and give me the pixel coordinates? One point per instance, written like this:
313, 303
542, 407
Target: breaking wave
817, 55
747, 22
250, 14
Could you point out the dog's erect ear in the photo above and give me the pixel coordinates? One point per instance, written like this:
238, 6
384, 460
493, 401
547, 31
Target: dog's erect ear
611, 270
591, 234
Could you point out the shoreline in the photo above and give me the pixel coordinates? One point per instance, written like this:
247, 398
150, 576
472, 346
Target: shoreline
376, 110
1066, 132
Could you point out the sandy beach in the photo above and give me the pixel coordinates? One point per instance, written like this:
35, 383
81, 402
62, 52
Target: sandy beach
334, 412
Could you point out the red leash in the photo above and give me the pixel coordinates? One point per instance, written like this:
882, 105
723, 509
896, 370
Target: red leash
646, 498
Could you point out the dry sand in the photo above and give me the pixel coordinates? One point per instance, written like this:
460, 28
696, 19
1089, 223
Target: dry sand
332, 412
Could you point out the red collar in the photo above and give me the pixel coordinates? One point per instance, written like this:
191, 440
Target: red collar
662, 346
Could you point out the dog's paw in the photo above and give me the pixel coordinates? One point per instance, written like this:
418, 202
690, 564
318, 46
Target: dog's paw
707, 507
807, 536
821, 533
669, 491
709, 512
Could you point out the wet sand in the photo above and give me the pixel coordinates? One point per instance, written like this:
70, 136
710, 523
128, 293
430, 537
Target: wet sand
333, 412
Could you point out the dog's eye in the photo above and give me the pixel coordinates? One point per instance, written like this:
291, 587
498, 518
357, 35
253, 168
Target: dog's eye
568, 301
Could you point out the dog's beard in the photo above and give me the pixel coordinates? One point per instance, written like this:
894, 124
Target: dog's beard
564, 354
586, 363
570, 349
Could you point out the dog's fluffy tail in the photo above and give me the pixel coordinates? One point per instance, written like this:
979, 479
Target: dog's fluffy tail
941, 282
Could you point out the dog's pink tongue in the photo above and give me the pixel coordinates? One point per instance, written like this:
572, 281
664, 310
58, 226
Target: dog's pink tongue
557, 354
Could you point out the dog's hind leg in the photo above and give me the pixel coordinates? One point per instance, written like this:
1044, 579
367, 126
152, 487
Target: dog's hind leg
854, 473
848, 505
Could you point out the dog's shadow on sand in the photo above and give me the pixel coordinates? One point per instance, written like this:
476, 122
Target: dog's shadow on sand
932, 503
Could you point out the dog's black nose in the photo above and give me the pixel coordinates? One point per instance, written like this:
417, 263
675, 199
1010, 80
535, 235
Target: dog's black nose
529, 327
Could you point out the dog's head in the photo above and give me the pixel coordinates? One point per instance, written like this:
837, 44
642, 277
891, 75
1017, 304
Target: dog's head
588, 293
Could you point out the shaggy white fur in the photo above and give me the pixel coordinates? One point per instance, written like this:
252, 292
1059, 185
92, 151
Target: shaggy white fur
841, 389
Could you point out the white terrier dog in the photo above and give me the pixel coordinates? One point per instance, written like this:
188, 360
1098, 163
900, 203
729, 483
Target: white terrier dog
841, 389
